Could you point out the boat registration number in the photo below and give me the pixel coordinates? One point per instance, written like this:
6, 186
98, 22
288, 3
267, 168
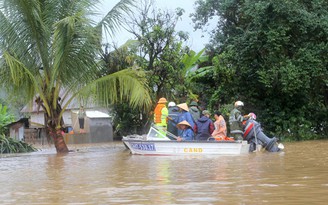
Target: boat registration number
143, 146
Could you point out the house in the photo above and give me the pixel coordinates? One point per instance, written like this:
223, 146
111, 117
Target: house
16, 129
98, 125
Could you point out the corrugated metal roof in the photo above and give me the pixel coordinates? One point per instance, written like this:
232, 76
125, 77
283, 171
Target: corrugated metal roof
74, 104
96, 114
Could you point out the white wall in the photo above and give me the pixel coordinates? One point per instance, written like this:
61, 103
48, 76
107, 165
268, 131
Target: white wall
20, 133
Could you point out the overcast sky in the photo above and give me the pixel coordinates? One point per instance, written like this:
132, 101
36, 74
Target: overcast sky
196, 41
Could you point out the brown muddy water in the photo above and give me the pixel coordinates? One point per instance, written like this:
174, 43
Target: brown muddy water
109, 174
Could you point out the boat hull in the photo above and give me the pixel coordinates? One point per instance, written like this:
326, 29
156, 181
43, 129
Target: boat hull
161, 147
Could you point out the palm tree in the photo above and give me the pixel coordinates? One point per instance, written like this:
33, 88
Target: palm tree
48, 46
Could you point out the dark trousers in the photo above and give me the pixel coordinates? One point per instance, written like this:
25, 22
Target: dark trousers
81, 122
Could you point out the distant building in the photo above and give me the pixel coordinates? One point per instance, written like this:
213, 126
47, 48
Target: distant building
17, 129
97, 124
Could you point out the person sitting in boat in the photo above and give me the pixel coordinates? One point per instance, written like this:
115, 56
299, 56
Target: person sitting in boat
194, 111
220, 131
254, 135
204, 126
183, 115
160, 115
173, 114
235, 121
187, 133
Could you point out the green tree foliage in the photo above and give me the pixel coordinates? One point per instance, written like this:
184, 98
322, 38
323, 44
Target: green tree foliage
49, 47
272, 55
7, 144
126, 120
13, 101
118, 58
5, 119
160, 47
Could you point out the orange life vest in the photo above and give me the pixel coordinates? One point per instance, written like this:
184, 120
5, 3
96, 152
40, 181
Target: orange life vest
158, 113
225, 138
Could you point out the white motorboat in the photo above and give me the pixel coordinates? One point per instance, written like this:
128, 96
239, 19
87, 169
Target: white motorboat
156, 143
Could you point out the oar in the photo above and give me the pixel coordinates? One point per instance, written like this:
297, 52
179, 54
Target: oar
172, 135
169, 133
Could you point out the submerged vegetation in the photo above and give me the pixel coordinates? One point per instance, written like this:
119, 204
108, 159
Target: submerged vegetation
10, 145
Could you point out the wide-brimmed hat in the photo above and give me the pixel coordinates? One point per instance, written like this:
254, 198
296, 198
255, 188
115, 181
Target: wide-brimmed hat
193, 103
183, 123
162, 100
183, 106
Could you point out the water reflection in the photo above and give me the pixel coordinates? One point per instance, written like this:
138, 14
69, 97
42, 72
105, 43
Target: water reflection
108, 174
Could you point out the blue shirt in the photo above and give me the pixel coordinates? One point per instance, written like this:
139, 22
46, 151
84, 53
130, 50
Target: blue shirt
187, 134
184, 115
188, 117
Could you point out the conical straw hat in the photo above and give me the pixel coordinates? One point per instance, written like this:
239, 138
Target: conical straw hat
183, 123
183, 106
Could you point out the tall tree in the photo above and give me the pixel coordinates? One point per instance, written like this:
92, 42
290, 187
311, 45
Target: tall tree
126, 120
160, 45
51, 46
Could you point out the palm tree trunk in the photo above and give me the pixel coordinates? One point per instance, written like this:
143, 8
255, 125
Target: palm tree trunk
55, 130
58, 139
60, 143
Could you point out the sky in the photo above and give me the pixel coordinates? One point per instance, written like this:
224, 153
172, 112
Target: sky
197, 39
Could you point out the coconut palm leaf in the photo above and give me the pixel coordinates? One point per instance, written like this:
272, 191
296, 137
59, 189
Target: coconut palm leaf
52, 45
115, 87
114, 18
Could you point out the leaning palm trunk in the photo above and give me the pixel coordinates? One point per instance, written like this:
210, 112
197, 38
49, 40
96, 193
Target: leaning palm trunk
55, 131
54, 124
59, 141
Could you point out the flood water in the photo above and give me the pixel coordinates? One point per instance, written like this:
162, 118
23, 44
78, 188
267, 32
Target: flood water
109, 174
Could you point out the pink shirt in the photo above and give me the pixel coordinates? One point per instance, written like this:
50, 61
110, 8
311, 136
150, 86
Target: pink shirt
220, 128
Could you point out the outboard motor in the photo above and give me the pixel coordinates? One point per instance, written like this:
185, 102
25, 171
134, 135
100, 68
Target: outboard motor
254, 135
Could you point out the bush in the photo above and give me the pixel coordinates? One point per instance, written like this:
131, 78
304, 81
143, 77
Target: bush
10, 145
